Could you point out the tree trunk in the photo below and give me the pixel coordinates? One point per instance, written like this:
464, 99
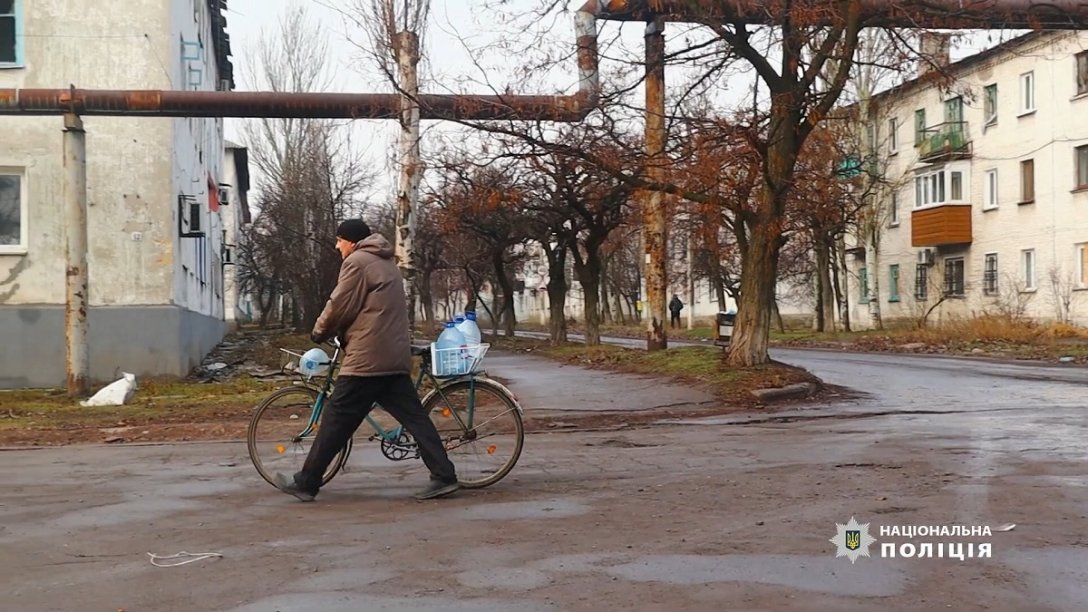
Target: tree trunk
748, 346
505, 305
407, 46
589, 275
557, 293
426, 297
606, 311
825, 298
777, 316
617, 306
841, 296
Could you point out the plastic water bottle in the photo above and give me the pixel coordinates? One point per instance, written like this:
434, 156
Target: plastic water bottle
470, 329
449, 363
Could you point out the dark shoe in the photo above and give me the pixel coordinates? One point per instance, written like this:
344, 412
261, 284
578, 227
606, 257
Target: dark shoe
438, 488
288, 485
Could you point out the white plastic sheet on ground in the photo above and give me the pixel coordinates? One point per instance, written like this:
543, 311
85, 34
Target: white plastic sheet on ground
116, 393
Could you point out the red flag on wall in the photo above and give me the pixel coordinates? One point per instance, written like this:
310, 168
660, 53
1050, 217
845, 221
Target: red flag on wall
213, 194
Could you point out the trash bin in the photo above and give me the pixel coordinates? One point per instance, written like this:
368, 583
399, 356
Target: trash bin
725, 328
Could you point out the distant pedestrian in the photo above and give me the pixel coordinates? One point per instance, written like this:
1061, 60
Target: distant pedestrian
675, 306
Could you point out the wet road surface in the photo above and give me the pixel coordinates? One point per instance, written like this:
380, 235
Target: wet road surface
727, 512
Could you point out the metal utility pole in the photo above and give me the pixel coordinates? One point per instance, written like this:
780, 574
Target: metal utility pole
75, 231
655, 228
407, 46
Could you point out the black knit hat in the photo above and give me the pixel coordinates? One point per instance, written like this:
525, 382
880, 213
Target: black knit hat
353, 230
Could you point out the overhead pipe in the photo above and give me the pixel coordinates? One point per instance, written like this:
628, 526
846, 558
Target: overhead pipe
941, 14
180, 103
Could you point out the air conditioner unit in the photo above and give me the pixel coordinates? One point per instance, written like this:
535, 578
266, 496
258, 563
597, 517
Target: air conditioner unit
926, 257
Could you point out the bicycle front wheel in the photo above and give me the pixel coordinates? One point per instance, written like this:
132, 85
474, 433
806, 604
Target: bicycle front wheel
278, 439
481, 428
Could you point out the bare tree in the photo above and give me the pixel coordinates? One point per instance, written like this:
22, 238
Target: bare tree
1063, 285
309, 174
395, 30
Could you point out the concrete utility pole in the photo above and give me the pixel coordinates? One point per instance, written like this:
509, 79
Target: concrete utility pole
75, 231
407, 45
655, 227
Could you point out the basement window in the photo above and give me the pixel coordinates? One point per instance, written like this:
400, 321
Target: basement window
13, 230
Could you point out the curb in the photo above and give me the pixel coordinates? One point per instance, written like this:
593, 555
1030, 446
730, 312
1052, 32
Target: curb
787, 392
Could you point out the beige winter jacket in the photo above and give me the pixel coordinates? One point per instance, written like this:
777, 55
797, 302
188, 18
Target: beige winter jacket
369, 311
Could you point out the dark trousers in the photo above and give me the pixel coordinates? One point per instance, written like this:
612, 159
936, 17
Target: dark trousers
352, 399
675, 322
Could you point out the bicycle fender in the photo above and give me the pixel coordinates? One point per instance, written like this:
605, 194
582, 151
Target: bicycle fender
507, 391
490, 381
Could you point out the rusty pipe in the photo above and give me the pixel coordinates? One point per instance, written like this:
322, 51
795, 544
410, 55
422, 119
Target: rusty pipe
179, 103
949, 14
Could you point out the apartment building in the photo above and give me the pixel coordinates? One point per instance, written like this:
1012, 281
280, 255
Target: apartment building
986, 204
156, 192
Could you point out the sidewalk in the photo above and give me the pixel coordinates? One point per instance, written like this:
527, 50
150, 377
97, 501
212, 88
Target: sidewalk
547, 388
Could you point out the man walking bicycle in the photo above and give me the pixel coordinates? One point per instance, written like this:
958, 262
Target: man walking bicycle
369, 312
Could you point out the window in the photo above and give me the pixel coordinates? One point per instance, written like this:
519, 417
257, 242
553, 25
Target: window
13, 234
1027, 260
953, 276
1082, 166
919, 126
893, 135
1027, 92
11, 34
1027, 181
1082, 266
863, 284
990, 104
955, 187
1082, 72
943, 186
893, 283
953, 114
989, 275
921, 282
894, 212
989, 197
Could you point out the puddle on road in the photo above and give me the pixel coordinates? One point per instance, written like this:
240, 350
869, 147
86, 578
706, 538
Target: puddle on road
504, 578
512, 511
1057, 576
341, 601
820, 574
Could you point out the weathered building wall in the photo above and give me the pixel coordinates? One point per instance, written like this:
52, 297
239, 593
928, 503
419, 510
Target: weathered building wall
141, 319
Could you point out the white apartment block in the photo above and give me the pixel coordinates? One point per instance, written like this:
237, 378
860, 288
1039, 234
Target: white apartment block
987, 208
155, 188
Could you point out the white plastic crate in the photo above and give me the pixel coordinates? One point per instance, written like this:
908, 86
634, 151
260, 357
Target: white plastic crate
457, 361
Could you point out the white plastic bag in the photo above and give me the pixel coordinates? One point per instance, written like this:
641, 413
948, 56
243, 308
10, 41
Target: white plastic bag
116, 393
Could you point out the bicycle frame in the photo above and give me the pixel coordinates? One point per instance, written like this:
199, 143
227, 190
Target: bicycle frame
392, 435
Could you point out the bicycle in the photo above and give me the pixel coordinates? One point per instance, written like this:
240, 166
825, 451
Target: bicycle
489, 412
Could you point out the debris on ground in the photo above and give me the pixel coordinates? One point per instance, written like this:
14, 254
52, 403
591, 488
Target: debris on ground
117, 393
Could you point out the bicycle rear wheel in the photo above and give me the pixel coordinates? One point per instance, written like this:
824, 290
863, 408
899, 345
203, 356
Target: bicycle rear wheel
277, 436
481, 428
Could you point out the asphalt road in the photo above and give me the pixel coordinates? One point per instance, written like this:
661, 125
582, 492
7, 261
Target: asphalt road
730, 512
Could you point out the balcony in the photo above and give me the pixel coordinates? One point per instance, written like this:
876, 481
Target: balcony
945, 142
940, 225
